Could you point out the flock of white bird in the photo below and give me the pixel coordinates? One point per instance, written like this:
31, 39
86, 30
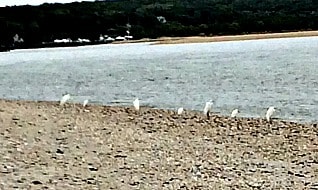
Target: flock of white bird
207, 109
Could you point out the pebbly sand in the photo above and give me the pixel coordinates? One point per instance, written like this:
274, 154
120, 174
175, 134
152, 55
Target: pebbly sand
44, 146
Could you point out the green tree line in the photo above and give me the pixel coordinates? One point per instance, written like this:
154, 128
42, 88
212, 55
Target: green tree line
36, 24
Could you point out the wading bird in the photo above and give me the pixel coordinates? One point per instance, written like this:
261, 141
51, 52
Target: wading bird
269, 113
136, 104
234, 113
208, 108
65, 98
85, 103
180, 110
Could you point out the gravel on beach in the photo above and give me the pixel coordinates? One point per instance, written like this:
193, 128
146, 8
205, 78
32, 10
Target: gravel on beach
47, 146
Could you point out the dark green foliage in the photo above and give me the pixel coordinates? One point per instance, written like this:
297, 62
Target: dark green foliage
47, 22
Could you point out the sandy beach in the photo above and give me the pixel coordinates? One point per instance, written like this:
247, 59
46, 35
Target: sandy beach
46, 146
202, 39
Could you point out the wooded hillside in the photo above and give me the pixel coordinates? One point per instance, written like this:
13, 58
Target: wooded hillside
154, 18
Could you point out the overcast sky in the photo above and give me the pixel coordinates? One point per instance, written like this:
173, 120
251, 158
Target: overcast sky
4, 3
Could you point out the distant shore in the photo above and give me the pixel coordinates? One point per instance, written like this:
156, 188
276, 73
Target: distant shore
202, 39
178, 40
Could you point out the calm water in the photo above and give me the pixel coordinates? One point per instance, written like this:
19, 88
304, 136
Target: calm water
249, 75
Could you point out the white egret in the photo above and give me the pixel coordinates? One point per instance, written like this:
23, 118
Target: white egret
234, 113
85, 103
180, 110
136, 104
269, 113
65, 98
208, 108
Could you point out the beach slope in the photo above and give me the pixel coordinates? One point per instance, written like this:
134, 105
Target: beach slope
45, 146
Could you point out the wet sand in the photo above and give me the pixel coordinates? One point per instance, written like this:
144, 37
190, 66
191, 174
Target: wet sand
45, 146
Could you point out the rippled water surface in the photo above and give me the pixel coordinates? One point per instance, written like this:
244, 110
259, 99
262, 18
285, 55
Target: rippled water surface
249, 75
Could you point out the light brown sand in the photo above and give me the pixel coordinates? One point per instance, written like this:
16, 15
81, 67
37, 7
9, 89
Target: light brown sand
44, 146
202, 39
197, 39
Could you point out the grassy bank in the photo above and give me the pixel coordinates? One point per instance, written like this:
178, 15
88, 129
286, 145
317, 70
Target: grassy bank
46, 146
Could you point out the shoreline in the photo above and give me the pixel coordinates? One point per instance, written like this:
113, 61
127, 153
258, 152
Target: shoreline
147, 109
94, 106
208, 39
47, 146
183, 40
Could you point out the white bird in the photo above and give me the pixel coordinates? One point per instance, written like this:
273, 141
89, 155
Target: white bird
64, 99
269, 113
234, 112
136, 104
180, 110
85, 103
208, 108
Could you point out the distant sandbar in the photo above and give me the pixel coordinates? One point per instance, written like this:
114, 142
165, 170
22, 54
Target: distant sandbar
202, 39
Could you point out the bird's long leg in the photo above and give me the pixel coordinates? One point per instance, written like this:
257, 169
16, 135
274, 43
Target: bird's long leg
179, 120
62, 108
208, 115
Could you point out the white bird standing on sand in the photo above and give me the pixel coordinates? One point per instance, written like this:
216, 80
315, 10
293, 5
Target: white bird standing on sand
65, 98
208, 108
234, 112
136, 104
85, 103
269, 113
180, 110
